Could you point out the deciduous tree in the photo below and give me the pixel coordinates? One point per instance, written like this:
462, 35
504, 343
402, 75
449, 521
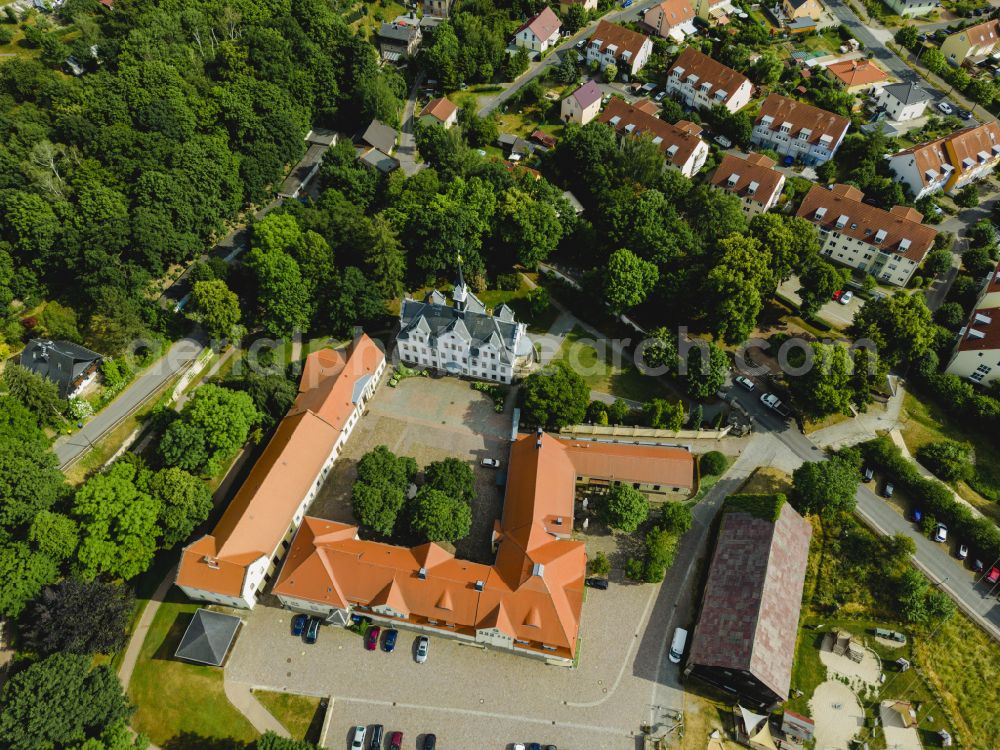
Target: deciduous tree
555, 396
79, 617
623, 507
825, 487
439, 517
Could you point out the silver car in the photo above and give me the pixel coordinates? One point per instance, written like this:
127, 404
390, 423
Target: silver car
423, 643
358, 743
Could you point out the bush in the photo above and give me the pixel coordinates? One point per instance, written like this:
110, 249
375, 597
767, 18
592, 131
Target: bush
712, 464
509, 282
600, 565
623, 508
634, 569
947, 459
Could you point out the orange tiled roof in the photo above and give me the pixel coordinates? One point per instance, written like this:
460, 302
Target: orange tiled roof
721, 77
260, 514
857, 72
982, 34
802, 116
982, 333
676, 12
440, 109
954, 151
646, 464
622, 38
683, 135
754, 168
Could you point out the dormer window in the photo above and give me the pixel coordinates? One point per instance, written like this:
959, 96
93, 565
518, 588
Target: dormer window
657, 140
904, 245
672, 151
880, 236
786, 127
842, 221
677, 72
767, 121
752, 188
706, 86
721, 95
615, 120
820, 213
826, 140
630, 127
983, 157
968, 163
692, 79
733, 179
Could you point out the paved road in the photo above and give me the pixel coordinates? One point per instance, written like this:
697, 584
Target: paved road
70, 447
407, 150
536, 69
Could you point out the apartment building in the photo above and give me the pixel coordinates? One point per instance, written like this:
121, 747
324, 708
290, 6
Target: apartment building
974, 41
949, 163
799, 130
232, 565
912, 7
671, 19
701, 82
681, 143
611, 44
977, 353
753, 179
889, 245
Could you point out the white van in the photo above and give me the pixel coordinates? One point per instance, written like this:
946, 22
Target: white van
677, 645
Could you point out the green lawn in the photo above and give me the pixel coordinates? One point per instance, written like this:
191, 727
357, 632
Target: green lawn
180, 704
601, 373
301, 715
708, 482
925, 422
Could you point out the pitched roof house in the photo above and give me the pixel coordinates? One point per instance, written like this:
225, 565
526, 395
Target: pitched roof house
681, 144
528, 601
949, 163
70, 366
381, 136
539, 32
744, 641
611, 44
441, 110
903, 101
799, 130
230, 565
890, 245
671, 19
399, 39
855, 75
703, 82
973, 41
753, 179
977, 353
583, 105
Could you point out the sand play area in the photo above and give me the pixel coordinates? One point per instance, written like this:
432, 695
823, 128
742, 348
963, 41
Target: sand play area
838, 715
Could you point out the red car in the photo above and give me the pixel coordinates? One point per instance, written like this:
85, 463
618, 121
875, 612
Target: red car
994, 576
396, 741
371, 637
837, 295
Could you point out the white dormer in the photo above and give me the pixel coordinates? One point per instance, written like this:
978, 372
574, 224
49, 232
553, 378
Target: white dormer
767, 121
672, 151
826, 140
706, 86
721, 95
677, 72
752, 187
880, 236
657, 140
968, 163
630, 127
820, 213
733, 179
984, 319
615, 120
842, 221
974, 334
983, 157
904, 245
931, 175
786, 127
805, 134
692, 79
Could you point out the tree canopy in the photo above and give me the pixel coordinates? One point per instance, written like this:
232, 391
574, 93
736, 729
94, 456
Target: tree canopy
555, 396
623, 507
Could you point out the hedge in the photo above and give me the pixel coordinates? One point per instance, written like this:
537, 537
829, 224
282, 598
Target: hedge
935, 499
766, 507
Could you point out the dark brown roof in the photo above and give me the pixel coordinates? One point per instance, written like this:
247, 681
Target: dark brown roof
755, 168
722, 78
624, 39
629, 120
802, 116
982, 333
750, 615
842, 209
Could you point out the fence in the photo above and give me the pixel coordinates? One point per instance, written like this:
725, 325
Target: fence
620, 432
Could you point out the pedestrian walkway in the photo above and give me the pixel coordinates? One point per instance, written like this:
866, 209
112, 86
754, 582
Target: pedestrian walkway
865, 426
142, 628
242, 698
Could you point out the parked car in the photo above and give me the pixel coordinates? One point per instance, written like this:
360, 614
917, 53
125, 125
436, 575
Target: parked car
723, 141
837, 295
627, 3
375, 738
423, 644
977, 566
659, 97
946, 108
869, 473
921, 37
994, 576
744, 382
299, 623
396, 741
517, 746
581, 44
964, 114
940, 533
493, 463
846, 297
888, 489
774, 403
535, 746
430, 741
963, 551
918, 515
389, 642
371, 637
312, 630
358, 743
597, 583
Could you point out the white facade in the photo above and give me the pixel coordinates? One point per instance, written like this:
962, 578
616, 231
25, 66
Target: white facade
888, 268
452, 352
624, 60
571, 111
981, 367
696, 93
694, 162
776, 136
899, 111
526, 38
912, 7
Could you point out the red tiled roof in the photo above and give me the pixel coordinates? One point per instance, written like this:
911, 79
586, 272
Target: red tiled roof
953, 150
857, 72
982, 333
440, 109
802, 116
676, 12
683, 135
543, 25
903, 233
754, 168
982, 34
722, 78
622, 38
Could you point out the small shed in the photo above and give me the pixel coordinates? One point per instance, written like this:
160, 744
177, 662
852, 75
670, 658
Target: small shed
208, 637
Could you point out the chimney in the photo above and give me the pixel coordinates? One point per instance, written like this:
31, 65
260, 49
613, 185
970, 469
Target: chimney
422, 574
538, 569
480, 585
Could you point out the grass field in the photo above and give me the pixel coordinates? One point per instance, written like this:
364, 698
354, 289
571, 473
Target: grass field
179, 703
924, 422
602, 373
301, 715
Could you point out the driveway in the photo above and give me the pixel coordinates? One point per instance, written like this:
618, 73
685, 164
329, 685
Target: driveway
835, 313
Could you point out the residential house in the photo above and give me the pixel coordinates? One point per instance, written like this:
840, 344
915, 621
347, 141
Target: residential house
974, 41
232, 565
587, 5
671, 19
902, 101
753, 179
912, 7
399, 39
857, 75
799, 130
437, 8
715, 12
681, 144
463, 339
379, 141
797, 9
611, 44
441, 111
701, 82
540, 32
889, 245
70, 366
949, 163
583, 105
744, 640
528, 601
977, 353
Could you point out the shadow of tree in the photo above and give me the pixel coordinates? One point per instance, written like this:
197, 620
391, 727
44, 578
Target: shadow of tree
194, 741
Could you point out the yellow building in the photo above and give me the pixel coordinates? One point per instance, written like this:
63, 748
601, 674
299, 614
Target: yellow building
796, 9
971, 42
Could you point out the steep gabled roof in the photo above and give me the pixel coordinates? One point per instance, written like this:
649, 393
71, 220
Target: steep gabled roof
679, 140
692, 62
777, 110
624, 40
543, 25
587, 94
